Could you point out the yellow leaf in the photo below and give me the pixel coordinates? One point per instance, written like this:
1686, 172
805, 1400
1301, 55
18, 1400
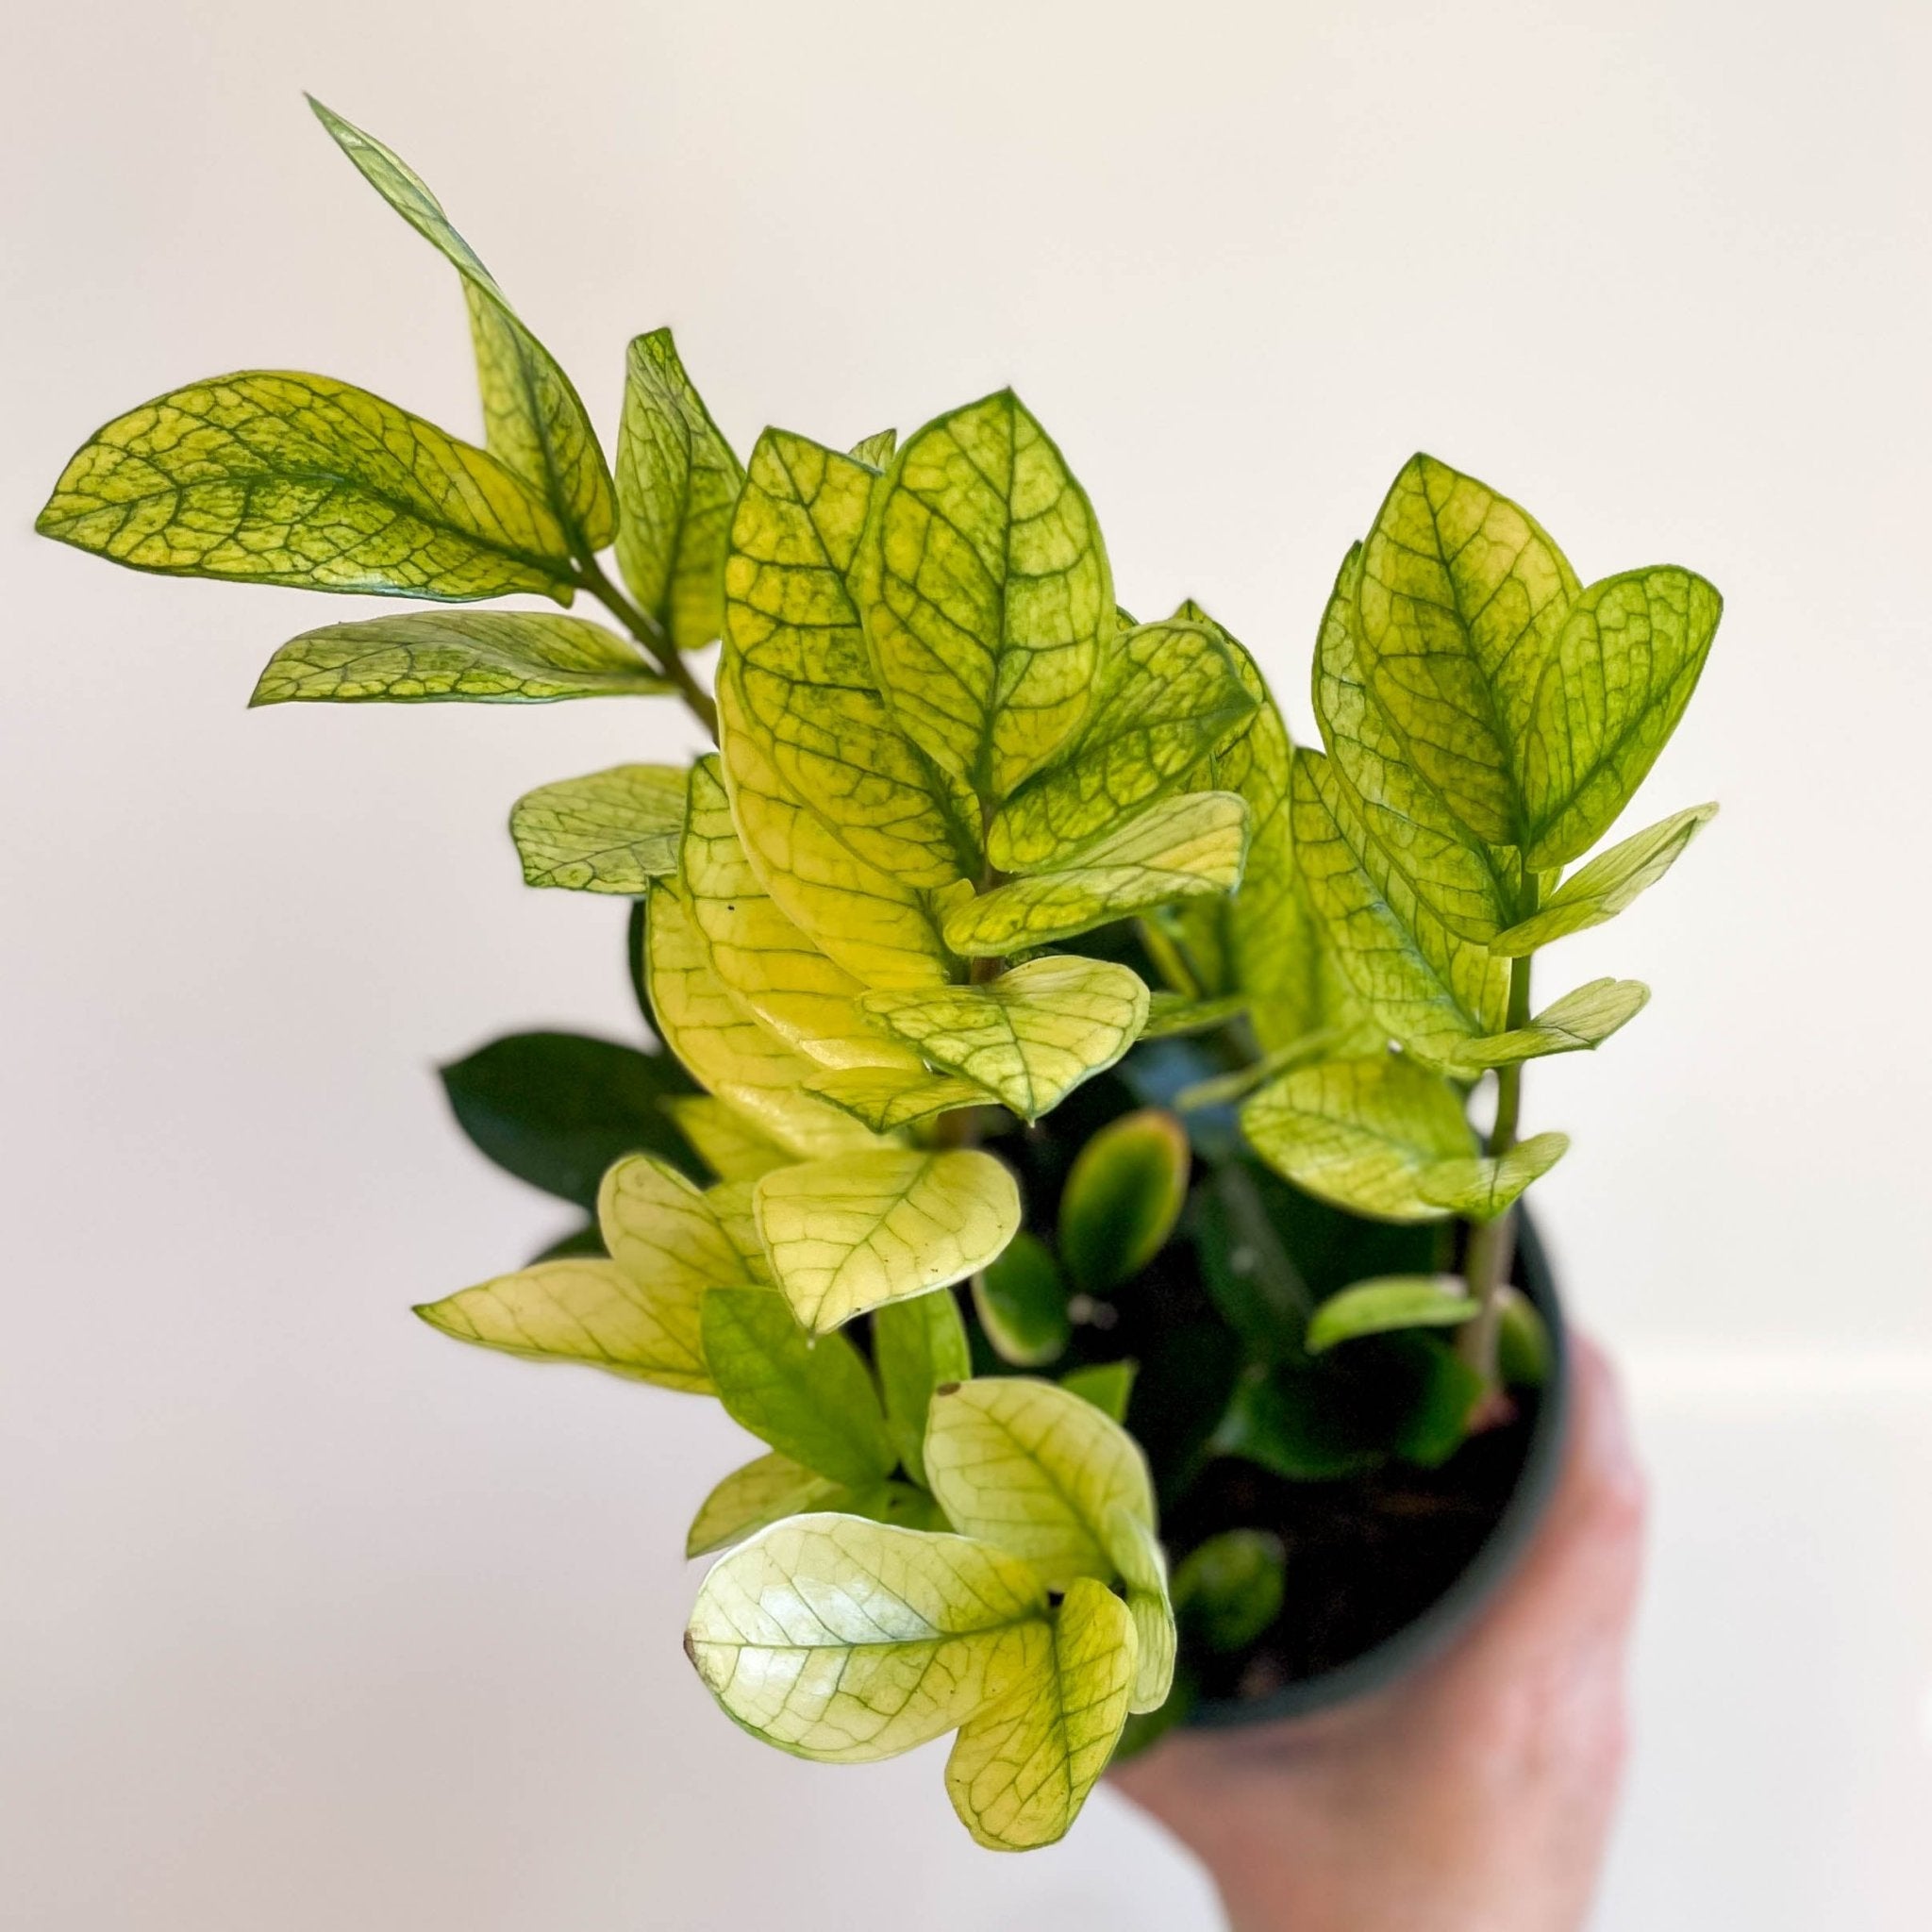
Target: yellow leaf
1142, 1565
664, 1232
581, 1310
858, 1230
1173, 695
772, 968
1578, 1022
1021, 1768
611, 831
740, 1060
1036, 1468
986, 596
730, 1144
534, 419
278, 478
488, 657
1607, 884
846, 1641
731, 1202
749, 1499
676, 482
1030, 1036
887, 1098
1180, 848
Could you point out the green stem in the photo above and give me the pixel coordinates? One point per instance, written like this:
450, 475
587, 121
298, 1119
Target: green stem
1492, 1243
649, 635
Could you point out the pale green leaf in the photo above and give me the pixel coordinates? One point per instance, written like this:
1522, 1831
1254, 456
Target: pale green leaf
1229, 1589
535, 421
1142, 1566
1030, 1036
1022, 1767
1388, 1302
1108, 1386
1482, 1187
740, 1060
487, 657
1578, 1022
269, 477
887, 1098
1425, 985
581, 1310
731, 1202
846, 1641
1021, 1299
1466, 885
859, 1230
1460, 599
665, 1234
811, 1398
1607, 884
611, 831
1034, 1468
1173, 695
730, 1144
1122, 1196
917, 1345
1170, 1014
773, 969
1366, 1134
676, 483
1179, 848
750, 1499
875, 451
1626, 662
986, 599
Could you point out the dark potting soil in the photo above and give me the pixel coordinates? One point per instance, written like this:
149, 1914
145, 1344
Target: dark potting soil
1366, 1555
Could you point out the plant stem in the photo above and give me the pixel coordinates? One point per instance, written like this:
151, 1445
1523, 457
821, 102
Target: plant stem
1492, 1243
649, 635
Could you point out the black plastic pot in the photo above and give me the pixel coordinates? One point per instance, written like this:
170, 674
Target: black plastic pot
1496, 1556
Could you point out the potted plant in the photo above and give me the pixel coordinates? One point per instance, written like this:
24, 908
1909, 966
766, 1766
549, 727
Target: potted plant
1059, 1151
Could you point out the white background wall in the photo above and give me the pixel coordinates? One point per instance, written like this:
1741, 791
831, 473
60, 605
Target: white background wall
311, 1621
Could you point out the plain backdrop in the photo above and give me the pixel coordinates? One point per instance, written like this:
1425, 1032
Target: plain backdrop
312, 1621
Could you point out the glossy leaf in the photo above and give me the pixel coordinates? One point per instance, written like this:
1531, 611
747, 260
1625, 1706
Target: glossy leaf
1142, 1566
1033, 1468
1180, 848
556, 1109
1030, 1036
887, 1098
535, 421
811, 1398
986, 599
1460, 599
269, 477
1021, 1300
1427, 987
676, 483
847, 1641
1229, 1589
750, 1499
1607, 884
589, 1311
1021, 1768
1578, 1022
1173, 695
916, 1346
474, 657
728, 1142
665, 1234
1524, 1351
1108, 1386
1390, 1302
1366, 1134
740, 1060
611, 831
731, 1202
1623, 667
1482, 1187
1122, 1196
1301, 1424
773, 969
859, 1230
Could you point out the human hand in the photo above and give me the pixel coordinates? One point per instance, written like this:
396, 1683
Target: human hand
1476, 1794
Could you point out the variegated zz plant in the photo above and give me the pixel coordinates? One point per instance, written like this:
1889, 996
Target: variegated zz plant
970, 835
